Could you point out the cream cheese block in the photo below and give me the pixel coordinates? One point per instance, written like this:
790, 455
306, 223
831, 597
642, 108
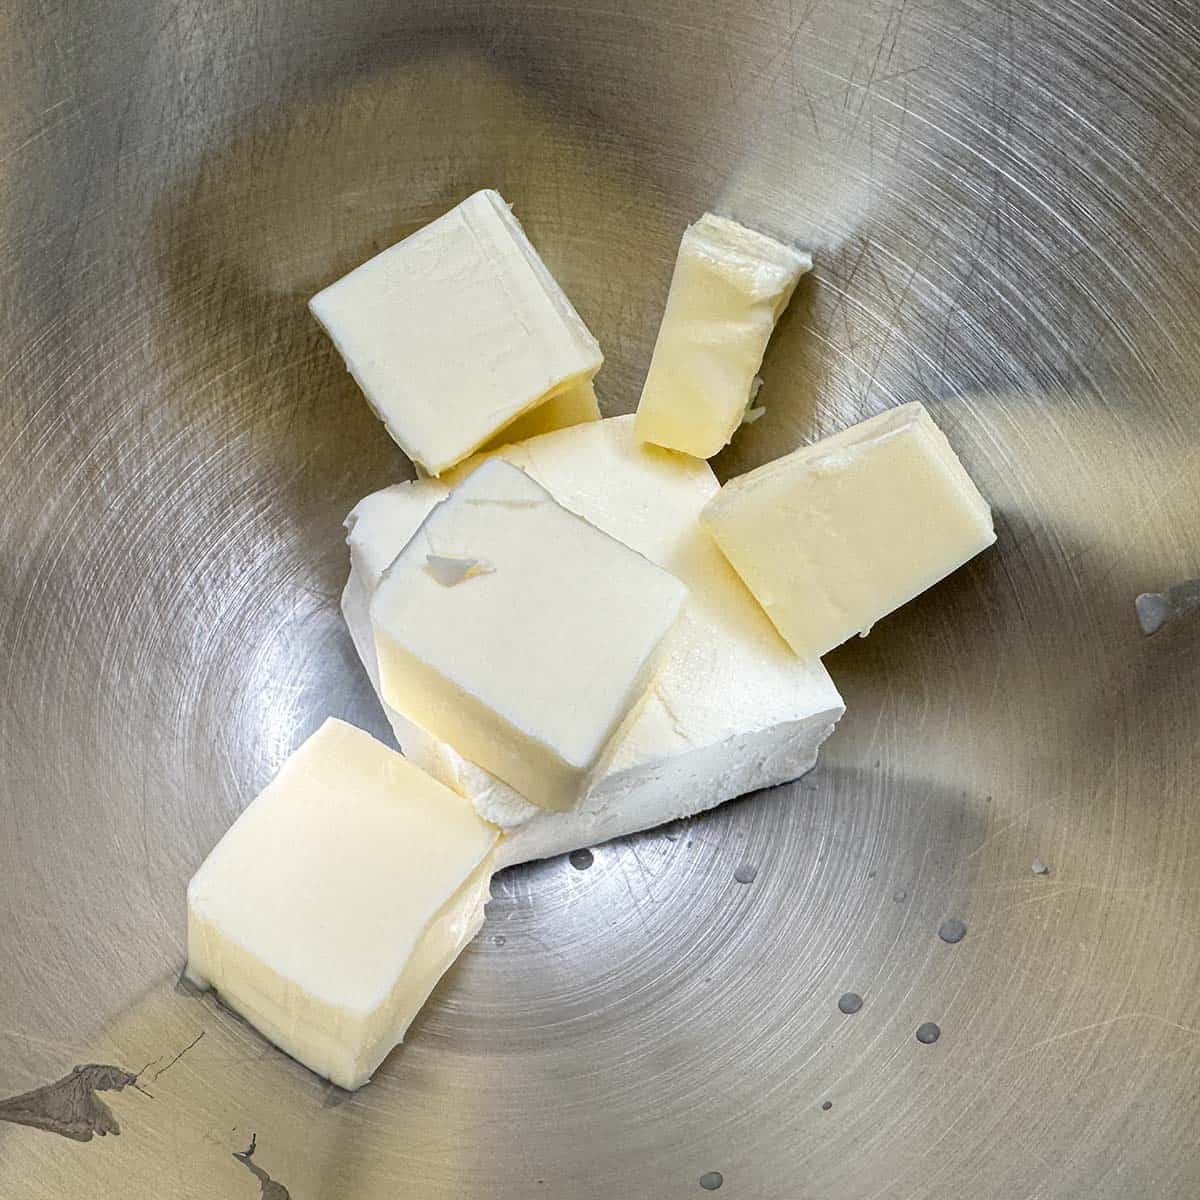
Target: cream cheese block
519, 633
730, 709
336, 901
456, 331
729, 288
837, 535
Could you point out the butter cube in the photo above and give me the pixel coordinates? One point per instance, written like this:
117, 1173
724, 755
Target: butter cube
336, 901
529, 662
836, 535
456, 331
729, 288
577, 405
730, 708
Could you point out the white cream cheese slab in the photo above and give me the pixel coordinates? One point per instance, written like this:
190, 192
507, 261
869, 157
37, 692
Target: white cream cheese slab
730, 286
456, 331
519, 633
836, 535
730, 709
336, 901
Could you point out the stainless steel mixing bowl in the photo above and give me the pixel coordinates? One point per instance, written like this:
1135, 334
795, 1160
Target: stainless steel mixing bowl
1001, 197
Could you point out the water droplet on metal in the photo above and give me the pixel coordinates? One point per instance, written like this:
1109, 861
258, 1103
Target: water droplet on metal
827, 1106
746, 873
928, 1033
581, 859
1156, 609
952, 930
850, 1002
711, 1180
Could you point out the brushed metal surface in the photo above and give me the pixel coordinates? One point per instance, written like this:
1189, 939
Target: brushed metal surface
1001, 198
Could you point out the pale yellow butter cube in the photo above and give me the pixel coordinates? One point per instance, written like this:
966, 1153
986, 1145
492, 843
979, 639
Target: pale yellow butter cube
837, 535
575, 405
337, 900
729, 288
456, 331
528, 657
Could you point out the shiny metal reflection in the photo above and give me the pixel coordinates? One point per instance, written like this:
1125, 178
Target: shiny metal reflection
1001, 201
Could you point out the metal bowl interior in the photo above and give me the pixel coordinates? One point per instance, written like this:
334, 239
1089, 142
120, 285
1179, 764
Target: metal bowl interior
1000, 197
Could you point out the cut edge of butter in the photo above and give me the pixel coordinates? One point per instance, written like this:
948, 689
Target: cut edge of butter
488, 217
729, 287
575, 404
761, 492
859, 437
769, 269
314, 1045
334, 829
